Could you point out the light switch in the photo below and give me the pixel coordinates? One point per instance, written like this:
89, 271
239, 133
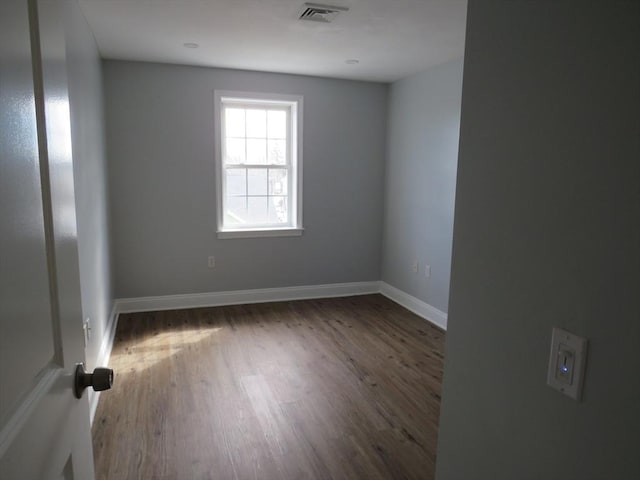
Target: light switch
567, 362
564, 364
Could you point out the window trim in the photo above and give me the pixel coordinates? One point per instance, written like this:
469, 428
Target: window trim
295, 104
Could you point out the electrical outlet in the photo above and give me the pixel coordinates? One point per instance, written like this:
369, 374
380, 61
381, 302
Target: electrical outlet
415, 266
427, 271
211, 262
567, 363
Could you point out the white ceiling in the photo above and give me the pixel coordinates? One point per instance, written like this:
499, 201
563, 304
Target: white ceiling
390, 38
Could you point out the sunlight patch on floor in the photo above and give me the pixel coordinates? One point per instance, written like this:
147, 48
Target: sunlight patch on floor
146, 353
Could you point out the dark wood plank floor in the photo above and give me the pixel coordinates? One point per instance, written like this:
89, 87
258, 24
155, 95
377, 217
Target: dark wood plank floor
345, 388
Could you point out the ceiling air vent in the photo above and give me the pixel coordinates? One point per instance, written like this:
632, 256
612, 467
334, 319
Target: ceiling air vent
316, 12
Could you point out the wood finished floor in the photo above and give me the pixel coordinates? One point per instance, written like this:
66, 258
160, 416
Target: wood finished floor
345, 388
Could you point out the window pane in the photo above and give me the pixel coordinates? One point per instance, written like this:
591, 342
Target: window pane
277, 210
257, 123
234, 125
234, 152
236, 181
257, 151
258, 161
235, 210
277, 149
277, 181
257, 211
257, 181
277, 124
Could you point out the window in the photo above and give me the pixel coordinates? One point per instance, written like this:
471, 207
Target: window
258, 164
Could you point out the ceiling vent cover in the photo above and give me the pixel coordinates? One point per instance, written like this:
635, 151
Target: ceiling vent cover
316, 12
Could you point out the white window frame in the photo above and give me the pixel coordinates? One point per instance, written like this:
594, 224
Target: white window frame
293, 103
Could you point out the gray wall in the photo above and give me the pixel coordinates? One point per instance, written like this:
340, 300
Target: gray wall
84, 71
546, 233
422, 156
160, 131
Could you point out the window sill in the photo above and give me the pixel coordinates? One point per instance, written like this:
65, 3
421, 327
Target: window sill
269, 232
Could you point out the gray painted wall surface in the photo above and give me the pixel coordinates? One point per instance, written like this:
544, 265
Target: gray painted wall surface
160, 139
84, 71
422, 156
546, 234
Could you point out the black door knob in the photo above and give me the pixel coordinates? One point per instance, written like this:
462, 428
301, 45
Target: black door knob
101, 379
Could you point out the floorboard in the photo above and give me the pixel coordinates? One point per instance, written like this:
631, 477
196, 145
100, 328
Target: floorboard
343, 388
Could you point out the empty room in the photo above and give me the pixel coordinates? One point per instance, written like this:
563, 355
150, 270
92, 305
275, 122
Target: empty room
276, 239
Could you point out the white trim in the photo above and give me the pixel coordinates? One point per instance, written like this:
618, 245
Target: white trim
294, 105
417, 306
104, 354
27, 405
267, 232
175, 302
217, 138
264, 295
258, 98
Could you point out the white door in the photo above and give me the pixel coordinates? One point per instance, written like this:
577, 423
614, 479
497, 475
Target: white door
44, 429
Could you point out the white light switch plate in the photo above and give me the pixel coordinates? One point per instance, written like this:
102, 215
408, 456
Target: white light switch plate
567, 362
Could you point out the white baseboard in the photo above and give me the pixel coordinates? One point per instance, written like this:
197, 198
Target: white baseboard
417, 306
214, 299
104, 354
263, 295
